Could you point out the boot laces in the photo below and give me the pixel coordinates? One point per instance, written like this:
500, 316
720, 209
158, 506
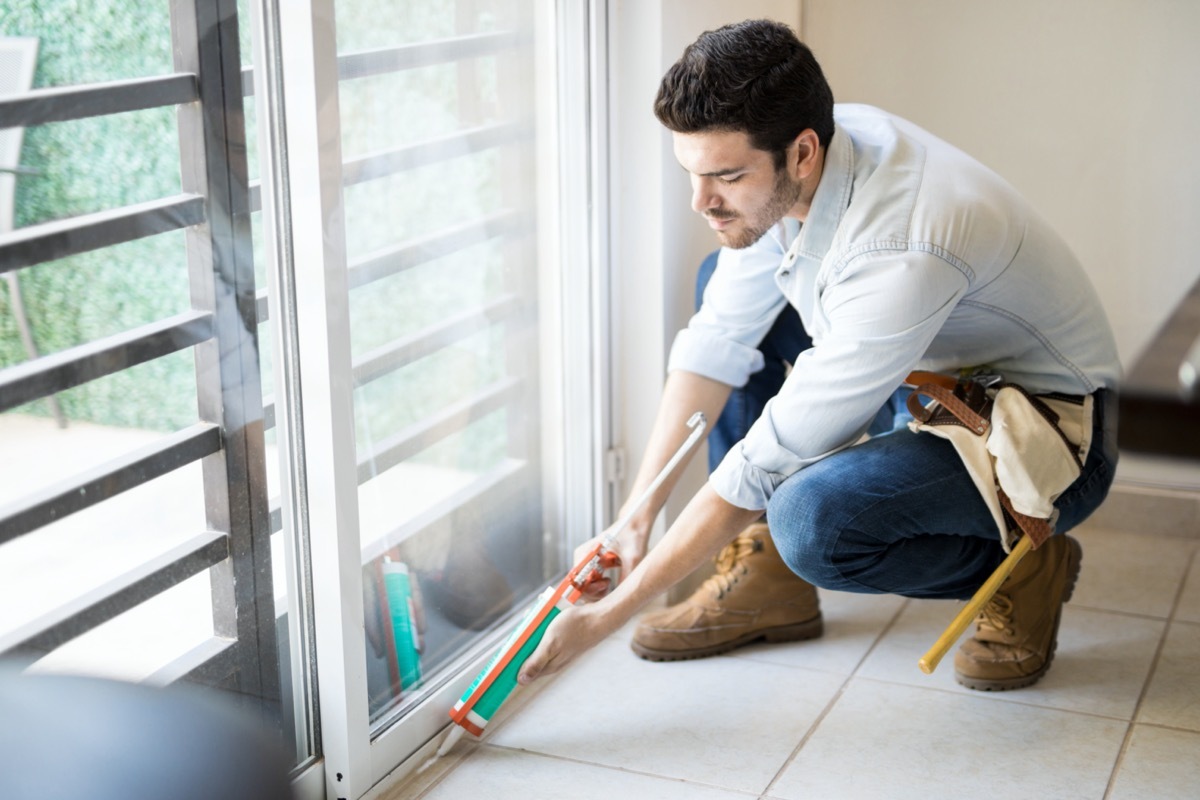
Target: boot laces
728, 562
997, 614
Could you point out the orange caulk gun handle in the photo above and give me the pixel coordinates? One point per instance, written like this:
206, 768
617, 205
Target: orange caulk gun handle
608, 560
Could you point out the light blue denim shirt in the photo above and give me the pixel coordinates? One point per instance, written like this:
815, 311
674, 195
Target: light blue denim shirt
913, 256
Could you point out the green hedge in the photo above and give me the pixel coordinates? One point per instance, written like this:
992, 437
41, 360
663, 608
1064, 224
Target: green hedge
93, 164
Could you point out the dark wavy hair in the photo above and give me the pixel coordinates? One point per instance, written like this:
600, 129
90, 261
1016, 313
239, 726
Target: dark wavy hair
756, 77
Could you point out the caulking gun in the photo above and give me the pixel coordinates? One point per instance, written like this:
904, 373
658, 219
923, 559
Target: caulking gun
498, 679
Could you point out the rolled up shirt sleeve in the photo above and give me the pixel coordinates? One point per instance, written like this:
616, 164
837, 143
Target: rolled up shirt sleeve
740, 305
877, 318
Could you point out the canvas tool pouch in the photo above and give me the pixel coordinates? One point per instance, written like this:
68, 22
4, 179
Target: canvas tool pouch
1021, 450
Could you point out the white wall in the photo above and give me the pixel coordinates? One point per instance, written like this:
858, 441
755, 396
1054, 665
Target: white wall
657, 241
1089, 107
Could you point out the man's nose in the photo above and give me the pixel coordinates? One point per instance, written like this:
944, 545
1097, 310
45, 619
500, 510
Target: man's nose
703, 196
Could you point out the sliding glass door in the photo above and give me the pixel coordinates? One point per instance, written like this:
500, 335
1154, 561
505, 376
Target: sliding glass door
430, 419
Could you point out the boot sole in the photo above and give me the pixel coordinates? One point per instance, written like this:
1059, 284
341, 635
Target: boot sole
1074, 561
809, 629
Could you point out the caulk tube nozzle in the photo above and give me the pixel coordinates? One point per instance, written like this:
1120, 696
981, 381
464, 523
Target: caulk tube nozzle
456, 732
452, 736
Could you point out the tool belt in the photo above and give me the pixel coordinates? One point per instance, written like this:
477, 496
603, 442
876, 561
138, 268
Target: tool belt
1021, 450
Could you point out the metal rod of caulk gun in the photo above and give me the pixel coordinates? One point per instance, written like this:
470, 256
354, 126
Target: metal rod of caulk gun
697, 422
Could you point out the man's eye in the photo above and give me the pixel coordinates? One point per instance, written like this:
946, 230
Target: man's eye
734, 179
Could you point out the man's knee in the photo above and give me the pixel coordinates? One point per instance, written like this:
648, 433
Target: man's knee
805, 518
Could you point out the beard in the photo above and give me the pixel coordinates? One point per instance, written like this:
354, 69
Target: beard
784, 195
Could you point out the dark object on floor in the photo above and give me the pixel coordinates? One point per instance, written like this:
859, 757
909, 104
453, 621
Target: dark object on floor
65, 738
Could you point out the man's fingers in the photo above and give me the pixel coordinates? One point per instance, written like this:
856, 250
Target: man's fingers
597, 589
531, 668
528, 674
540, 660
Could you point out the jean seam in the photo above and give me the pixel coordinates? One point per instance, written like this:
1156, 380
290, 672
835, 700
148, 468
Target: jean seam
849, 524
1077, 493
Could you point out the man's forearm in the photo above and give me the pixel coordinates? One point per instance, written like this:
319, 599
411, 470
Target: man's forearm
706, 525
684, 394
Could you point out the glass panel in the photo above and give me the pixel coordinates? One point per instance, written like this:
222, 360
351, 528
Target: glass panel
421, 201
297, 703
290, 617
447, 369
373, 24
62, 170
426, 114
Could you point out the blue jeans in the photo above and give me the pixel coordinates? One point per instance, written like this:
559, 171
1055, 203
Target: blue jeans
897, 514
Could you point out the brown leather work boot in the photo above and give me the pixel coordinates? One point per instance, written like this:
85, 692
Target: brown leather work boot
752, 596
1017, 631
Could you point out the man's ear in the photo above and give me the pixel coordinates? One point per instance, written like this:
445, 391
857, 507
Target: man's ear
803, 154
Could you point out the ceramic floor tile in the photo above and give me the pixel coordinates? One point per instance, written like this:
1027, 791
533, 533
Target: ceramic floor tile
1173, 697
1161, 764
1131, 572
895, 742
1189, 601
852, 624
1101, 665
720, 721
501, 774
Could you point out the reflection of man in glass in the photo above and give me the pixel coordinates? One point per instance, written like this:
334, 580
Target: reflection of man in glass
894, 252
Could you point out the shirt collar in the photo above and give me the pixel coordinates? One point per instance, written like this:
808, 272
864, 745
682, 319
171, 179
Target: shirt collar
830, 201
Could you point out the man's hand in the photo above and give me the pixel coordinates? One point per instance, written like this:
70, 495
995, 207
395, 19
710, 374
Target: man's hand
574, 631
706, 525
630, 547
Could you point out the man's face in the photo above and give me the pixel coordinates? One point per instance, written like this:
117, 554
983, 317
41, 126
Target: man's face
734, 185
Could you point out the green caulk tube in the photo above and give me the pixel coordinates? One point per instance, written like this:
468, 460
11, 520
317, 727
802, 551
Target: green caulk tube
501, 674
499, 678
398, 584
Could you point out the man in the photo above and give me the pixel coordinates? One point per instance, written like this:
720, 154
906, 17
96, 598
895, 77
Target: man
898, 252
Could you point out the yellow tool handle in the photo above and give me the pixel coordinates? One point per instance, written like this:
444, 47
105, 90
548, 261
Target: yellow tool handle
929, 661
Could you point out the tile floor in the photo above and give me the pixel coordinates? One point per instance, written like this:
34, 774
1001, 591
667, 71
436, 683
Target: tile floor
851, 716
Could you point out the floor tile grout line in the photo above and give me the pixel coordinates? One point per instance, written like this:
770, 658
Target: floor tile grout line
627, 770
1172, 728
812, 729
1119, 761
1116, 612
996, 697
1183, 583
1137, 708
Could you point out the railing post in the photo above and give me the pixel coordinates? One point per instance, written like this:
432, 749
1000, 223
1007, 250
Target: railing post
220, 263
